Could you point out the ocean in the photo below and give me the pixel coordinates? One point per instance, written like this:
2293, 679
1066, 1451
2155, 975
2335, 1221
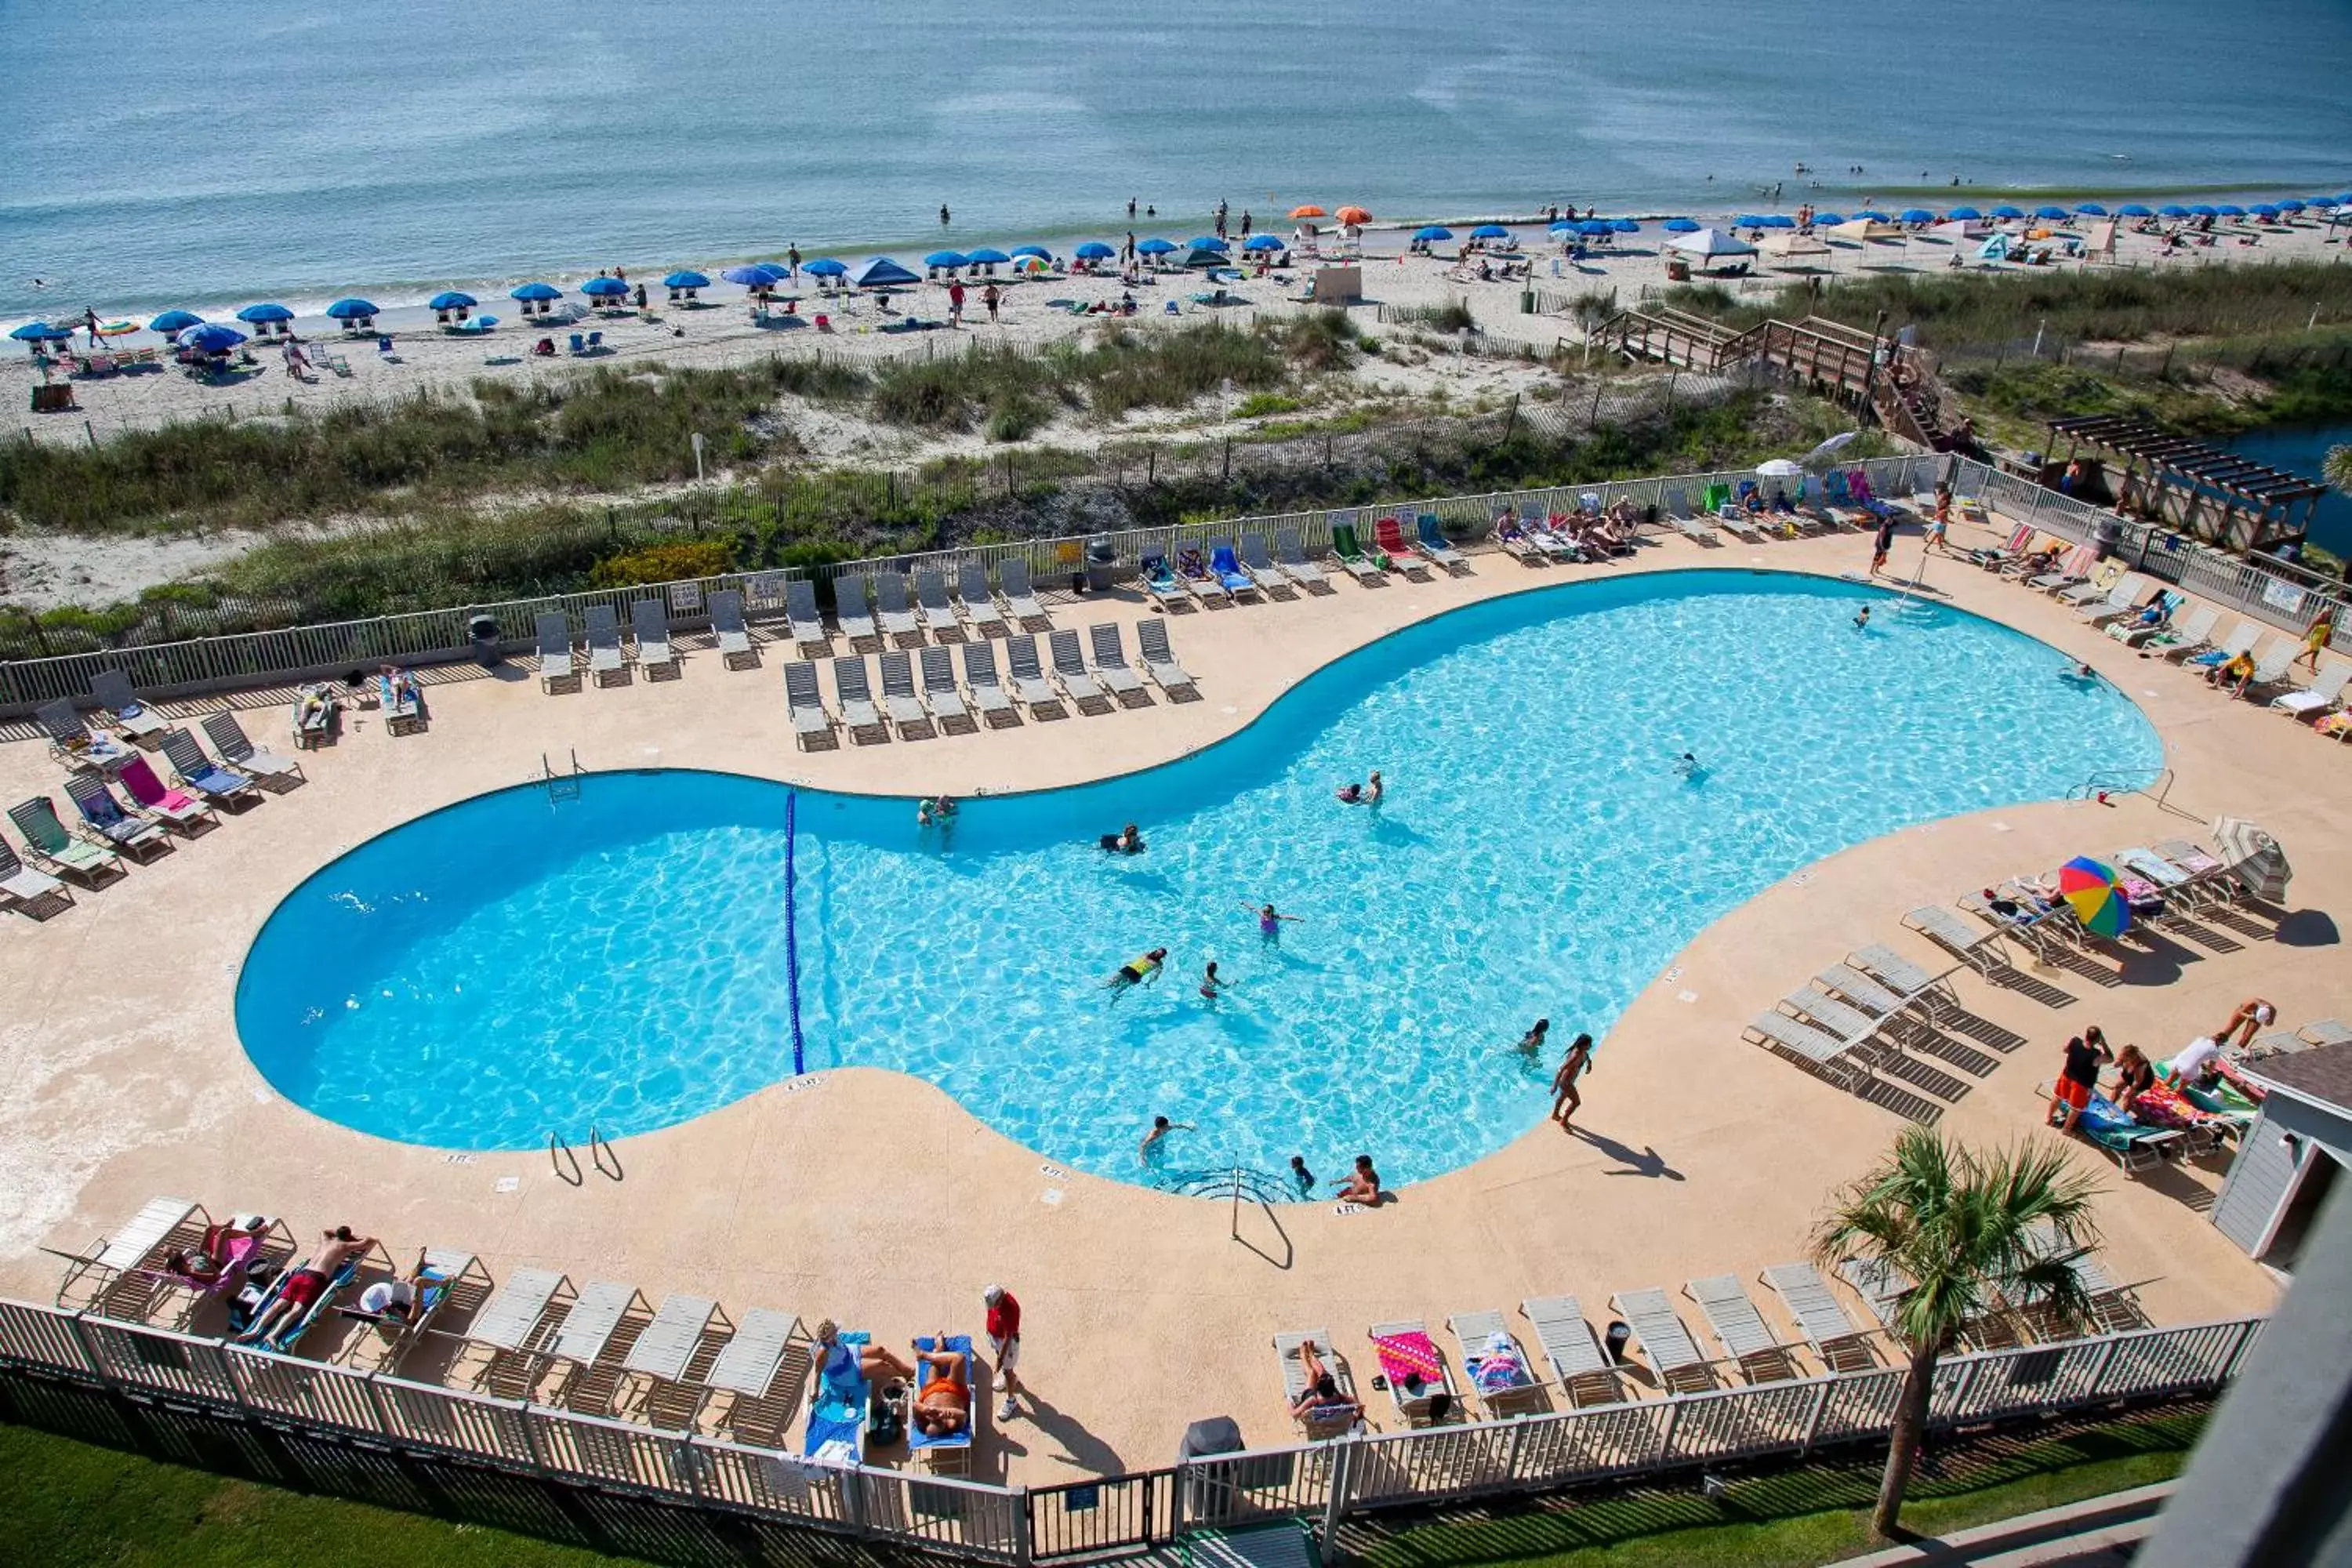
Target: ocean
209, 153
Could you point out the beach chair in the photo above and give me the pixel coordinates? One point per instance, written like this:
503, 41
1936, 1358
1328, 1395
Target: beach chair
2271, 669
449, 1275
733, 636
2175, 639
1821, 1322
891, 608
1964, 942
175, 808
1160, 660
88, 861
316, 710
161, 1226
68, 734
649, 624
578, 1351
1111, 668
1070, 674
2241, 639
1318, 1423
1828, 1054
855, 699
2123, 599
996, 709
1271, 580
1881, 1286
2096, 589
1493, 1369
397, 698
1929, 992
607, 663
838, 1399
1415, 1368
740, 1391
133, 717
1352, 557
237, 750
852, 597
2210, 884
35, 895
1554, 545
201, 773
900, 704
806, 707
2075, 567
1673, 1356
654, 1377
948, 1453
979, 601
1740, 1330
283, 1337
1159, 581
2040, 932
1297, 568
1674, 507
555, 667
939, 689
1199, 581
136, 836
933, 610
1514, 541
1585, 1374
804, 624
1432, 543
1027, 680
159, 1296
1020, 597
1388, 533
2113, 1309
1226, 568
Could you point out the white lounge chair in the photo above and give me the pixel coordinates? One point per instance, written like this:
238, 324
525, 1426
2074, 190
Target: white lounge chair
805, 705
1111, 667
2324, 691
899, 701
890, 606
1673, 1356
1494, 1368
1583, 1369
851, 596
140, 1243
2241, 639
1020, 597
980, 679
934, 610
582, 1340
555, 668
1027, 680
1740, 1330
1070, 672
2099, 590
2123, 599
858, 714
1417, 1405
1160, 659
2178, 640
650, 625
134, 718
1317, 1422
661, 1360
979, 602
734, 636
1972, 946
1809, 1046
1821, 1321
746, 1371
940, 689
606, 661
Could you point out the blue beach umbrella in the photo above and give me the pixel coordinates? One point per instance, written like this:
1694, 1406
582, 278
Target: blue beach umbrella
2264, 209
2202, 209
686, 279
1490, 231
2290, 205
2054, 214
2092, 209
2133, 209
986, 254
1748, 220
2008, 212
1918, 215
880, 272
1778, 220
605, 289
752, 275
1682, 226
1156, 247
212, 337
535, 291
172, 321
1439, 231
352, 311
40, 333
1262, 242
1824, 220
1592, 227
1963, 214
1096, 250
824, 267
1624, 226
2228, 209
1872, 214
1565, 226
2173, 209
1207, 242
452, 299
260, 314
1039, 251
947, 258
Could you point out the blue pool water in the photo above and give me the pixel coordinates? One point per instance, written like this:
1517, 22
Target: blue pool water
511, 965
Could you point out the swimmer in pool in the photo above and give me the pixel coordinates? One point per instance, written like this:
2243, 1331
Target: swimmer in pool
1210, 986
1128, 841
1135, 972
1270, 921
2083, 671
937, 810
1687, 764
1862, 619
1160, 1128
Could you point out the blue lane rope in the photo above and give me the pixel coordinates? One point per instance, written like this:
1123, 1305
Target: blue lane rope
791, 926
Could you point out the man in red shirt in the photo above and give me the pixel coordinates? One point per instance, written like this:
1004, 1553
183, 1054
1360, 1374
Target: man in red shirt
1004, 1339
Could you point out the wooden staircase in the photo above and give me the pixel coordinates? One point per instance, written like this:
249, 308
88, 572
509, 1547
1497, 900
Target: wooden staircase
1896, 385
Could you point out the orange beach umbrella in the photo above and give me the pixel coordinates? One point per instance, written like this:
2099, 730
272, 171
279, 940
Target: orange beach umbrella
1354, 215
1309, 210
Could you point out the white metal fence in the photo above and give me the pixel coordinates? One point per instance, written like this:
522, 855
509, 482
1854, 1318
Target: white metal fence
1077, 1522
193, 667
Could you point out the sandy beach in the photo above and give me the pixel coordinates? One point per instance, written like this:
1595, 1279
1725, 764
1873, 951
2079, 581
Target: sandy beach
722, 332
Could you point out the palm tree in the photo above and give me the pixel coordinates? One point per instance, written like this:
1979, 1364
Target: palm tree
1962, 1226
2337, 469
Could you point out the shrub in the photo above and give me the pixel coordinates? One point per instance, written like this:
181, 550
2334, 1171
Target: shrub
664, 564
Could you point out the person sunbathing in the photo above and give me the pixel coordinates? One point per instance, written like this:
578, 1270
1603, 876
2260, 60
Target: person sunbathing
214, 1256
304, 1287
838, 1363
1322, 1394
944, 1400
398, 1298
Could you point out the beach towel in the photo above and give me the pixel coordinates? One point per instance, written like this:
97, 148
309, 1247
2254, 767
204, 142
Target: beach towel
1409, 1359
1498, 1368
837, 1419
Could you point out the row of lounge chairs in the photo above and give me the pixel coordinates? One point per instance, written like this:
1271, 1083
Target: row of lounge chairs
1499, 1382
137, 825
1855, 1016
910, 709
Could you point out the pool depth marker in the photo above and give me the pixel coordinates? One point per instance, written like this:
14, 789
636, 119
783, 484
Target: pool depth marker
792, 925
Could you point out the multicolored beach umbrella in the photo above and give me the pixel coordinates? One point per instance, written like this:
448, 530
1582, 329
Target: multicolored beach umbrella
2089, 889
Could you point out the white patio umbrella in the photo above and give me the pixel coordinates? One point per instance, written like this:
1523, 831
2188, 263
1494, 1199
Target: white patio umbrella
1779, 469
2253, 857
1829, 449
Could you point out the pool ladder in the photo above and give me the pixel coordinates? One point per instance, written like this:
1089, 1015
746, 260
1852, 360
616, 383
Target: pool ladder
567, 1164
561, 785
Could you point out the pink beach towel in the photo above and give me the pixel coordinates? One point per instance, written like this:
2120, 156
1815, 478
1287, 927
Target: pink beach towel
1411, 1356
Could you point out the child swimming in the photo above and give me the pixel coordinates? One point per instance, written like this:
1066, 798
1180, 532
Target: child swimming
1136, 971
1270, 921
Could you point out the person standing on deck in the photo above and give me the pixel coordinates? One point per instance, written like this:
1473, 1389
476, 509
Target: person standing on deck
1005, 1344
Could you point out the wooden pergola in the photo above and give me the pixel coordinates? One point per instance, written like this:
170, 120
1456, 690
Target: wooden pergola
2206, 477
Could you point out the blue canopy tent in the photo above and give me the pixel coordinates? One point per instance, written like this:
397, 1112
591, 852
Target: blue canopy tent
1262, 242
1096, 250
1490, 231
1156, 247
1203, 256
172, 321
605, 289
824, 267
1435, 232
880, 272
211, 338
1039, 251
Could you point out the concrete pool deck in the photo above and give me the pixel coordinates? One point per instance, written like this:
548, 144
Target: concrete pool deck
1697, 1154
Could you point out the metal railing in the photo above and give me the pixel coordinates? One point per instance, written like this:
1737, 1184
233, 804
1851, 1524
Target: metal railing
193, 667
1110, 1516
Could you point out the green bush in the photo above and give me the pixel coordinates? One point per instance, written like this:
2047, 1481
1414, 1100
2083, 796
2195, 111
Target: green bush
664, 564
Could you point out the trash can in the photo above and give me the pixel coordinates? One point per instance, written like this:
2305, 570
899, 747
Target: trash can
484, 630
1102, 564
1616, 1339
1211, 1497
1527, 302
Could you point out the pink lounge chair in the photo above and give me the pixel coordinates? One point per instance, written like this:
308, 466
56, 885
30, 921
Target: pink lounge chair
176, 806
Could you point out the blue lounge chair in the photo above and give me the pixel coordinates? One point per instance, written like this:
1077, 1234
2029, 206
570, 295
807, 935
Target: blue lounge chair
199, 772
1161, 583
1228, 570
578, 343
837, 1401
951, 1451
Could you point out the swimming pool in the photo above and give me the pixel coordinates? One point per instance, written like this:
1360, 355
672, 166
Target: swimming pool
512, 965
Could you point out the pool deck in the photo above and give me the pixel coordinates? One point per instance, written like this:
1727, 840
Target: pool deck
873, 1198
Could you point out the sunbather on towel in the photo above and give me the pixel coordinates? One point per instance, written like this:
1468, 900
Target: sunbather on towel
943, 1402
841, 1364
1498, 1367
218, 1251
397, 1299
1322, 1394
303, 1287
